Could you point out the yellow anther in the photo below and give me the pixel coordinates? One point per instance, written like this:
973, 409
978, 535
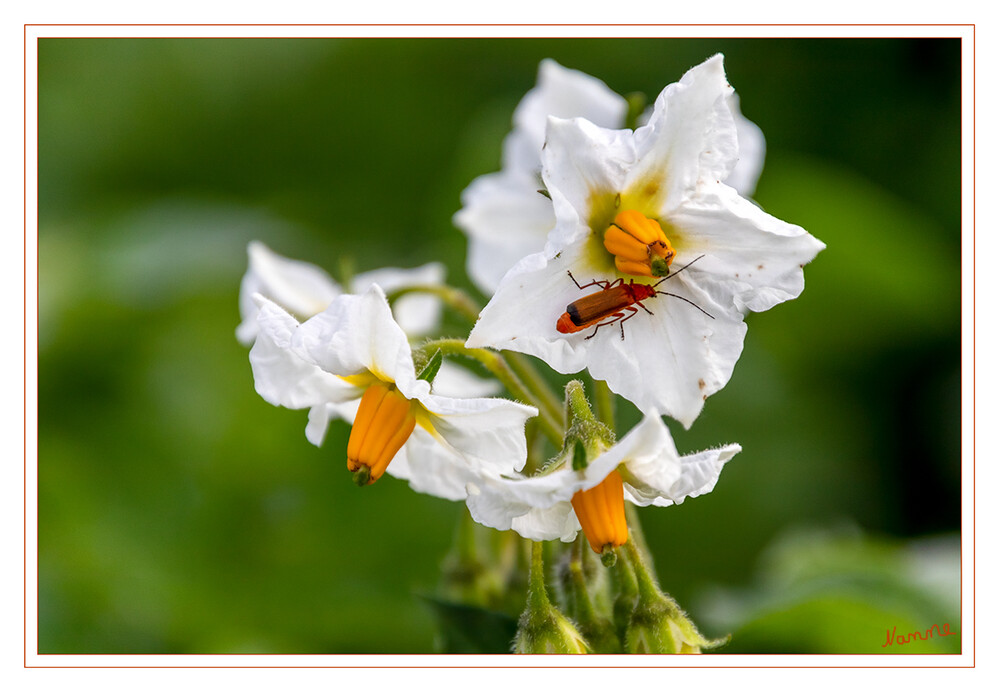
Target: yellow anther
638, 244
384, 421
600, 511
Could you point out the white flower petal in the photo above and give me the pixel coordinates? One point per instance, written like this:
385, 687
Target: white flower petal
579, 159
300, 288
498, 502
540, 524
522, 314
357, 334
505, 219
699, 473
753, 260
281, 374
690, 136
566, 93
432, 468
416, 314
489, 430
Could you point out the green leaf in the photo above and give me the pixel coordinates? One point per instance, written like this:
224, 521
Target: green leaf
466, 629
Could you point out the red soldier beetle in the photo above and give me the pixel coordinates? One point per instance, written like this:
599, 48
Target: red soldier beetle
611, 303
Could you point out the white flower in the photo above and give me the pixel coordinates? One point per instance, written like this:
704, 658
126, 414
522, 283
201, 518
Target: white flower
643, 468
353, 361
504, 215
303, 289
628, 205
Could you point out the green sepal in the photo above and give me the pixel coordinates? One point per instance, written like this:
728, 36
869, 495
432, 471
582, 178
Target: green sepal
429, 371
579, 461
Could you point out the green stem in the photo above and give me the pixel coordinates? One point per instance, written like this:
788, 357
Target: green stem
495, 364
647, 587
584, 608
626, 586
637, 536
526, 371
537, 592
604, 401
454, 298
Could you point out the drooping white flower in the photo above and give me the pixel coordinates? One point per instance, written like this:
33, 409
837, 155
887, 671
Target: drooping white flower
640, 208
644, 468
353, 361
304, 290
505, 216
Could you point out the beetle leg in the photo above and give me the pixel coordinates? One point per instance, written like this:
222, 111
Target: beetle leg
644, 308
596, 282
633, 313
617, 316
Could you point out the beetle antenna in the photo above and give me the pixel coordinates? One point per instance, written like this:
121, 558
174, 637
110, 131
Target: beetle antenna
664, 293
677, 271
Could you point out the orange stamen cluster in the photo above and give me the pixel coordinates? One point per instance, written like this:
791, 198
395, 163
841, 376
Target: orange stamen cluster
600, 511
384, 422
638, 244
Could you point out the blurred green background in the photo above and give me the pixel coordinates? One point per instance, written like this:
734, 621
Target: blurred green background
179, 512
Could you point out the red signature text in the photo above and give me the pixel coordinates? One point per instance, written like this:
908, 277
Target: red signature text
914, 636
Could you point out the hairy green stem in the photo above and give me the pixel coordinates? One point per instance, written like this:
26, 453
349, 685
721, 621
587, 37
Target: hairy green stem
604, 401
647, 587
637, 536
537, 592
584, 608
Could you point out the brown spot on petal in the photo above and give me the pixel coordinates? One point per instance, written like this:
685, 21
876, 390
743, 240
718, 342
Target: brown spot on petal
700, 384
760, 267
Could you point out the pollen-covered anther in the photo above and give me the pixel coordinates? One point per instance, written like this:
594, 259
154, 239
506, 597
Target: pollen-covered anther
384, 422
639, 245
600, 511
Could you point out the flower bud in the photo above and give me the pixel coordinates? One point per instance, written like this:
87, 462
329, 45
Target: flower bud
658, 626
547, 631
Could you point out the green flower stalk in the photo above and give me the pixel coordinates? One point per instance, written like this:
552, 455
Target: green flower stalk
598, 629
543, 629
657, 625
